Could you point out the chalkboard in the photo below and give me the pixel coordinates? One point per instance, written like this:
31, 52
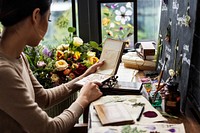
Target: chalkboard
177, 26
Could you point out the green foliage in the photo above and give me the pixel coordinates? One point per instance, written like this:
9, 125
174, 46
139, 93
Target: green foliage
129, 129
63, 21
36, 55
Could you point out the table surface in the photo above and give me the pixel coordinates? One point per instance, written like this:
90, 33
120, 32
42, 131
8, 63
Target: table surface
94, 123
132, 75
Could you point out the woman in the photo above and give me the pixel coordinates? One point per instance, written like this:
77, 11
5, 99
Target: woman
21, 96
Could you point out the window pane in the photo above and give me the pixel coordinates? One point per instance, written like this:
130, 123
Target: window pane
148, 19
61, 19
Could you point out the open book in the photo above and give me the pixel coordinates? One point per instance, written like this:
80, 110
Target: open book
111, 54
113, 114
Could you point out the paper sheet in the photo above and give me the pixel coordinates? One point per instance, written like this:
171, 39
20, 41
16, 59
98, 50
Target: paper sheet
141, 128
130, 100
145, 124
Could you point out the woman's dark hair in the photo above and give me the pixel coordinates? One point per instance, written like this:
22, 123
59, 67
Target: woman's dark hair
13, 11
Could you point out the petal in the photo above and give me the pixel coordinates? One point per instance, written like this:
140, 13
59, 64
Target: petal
129, 5
117, 12
122, 9
118, 18
127, 18
128, 13
123, 21
112, 25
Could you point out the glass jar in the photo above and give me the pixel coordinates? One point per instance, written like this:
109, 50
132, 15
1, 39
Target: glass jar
172, 99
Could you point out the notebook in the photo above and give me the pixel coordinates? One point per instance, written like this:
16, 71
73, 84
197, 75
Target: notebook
111, 54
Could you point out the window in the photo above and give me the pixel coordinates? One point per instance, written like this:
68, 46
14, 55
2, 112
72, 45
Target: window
148, 15
61, 19
124, 21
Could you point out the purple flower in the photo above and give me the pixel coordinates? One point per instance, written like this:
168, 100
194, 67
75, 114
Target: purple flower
41, 64
47, 52
113, 6
121, 28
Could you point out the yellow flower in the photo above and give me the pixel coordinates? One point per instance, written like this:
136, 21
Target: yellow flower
91, 54
59, 55
93, 60
105, 21
77, 41
63, 47
77, 55
61, 65
74, 66
54, 78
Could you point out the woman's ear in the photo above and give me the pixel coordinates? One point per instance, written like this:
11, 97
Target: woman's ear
36, 16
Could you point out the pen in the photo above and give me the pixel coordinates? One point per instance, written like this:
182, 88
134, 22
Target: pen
140, 115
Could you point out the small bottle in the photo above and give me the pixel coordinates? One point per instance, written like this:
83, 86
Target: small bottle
172, 99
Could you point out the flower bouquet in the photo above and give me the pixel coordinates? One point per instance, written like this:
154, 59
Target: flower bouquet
60, 64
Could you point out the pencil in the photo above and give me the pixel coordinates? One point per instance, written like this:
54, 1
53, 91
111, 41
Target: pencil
140, 115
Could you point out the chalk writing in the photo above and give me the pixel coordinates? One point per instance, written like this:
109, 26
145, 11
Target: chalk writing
164, 7
168, 56
175, 5
183, 21
186, 47
185, 59
168, 49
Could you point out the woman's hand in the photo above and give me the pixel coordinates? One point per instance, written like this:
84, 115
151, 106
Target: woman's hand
92, 69
88, 93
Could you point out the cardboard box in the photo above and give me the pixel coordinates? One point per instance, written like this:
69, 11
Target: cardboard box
146, 50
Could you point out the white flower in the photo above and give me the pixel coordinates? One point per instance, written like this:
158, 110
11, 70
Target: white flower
77, 41
171, 72
63, 47
123, 15
91, 54
112, 25
41, 64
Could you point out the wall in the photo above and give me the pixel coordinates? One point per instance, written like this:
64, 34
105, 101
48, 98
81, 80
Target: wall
194, 77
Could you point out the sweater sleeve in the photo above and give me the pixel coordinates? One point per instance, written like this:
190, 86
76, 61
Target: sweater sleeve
16, 101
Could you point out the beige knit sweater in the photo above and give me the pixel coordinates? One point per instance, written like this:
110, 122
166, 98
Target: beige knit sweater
22, 100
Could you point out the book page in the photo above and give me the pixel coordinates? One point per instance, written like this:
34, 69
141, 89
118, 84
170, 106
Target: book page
111, 54
110, 58
93, 77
